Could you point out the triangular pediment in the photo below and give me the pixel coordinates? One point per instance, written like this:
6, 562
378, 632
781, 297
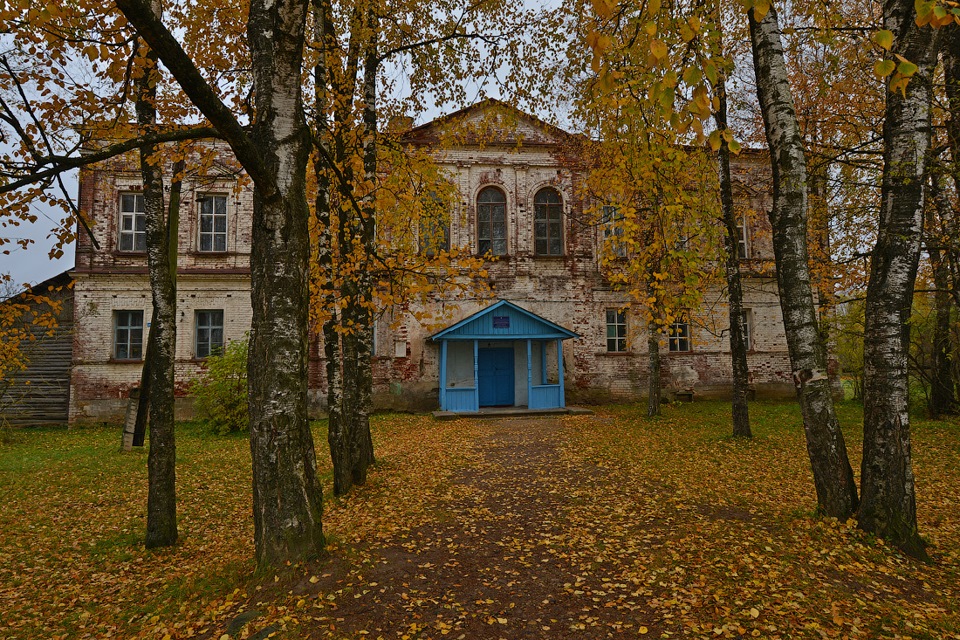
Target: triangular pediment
504, 320
489, 123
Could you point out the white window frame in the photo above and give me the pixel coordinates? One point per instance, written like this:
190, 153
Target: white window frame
128, 231
212, 234
616, 343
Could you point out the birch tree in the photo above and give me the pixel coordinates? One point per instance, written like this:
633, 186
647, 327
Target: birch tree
888, 506
832, 473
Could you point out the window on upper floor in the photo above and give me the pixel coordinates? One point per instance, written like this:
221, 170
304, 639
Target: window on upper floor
743, 238
434, 232
128, 335
548, 223
213, 223
616, 330
208, 335
678, 337
133, 223
492, 221
611, 222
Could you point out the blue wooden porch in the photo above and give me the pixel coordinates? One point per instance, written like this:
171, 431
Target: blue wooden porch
482, 361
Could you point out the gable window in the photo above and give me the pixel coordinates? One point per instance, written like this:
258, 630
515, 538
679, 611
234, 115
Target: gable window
133, 223
743, 240
611, 220
213, 223
128, 335
209, 333
616, 330
678, 339
492, 222
548, 223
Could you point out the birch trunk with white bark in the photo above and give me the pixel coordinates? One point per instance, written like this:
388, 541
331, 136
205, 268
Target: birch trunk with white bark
888, 501
158, 380
738, 330
832, 474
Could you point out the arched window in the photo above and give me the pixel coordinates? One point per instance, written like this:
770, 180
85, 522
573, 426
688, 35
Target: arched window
492, 221
548, 223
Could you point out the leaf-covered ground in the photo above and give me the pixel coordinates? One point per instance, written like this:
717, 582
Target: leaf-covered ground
599, 526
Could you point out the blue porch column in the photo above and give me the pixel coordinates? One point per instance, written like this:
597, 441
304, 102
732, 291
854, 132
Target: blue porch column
476, 375
443, 375
529, 371
563, 401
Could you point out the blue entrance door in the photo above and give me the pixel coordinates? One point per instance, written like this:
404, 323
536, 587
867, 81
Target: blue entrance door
495, 377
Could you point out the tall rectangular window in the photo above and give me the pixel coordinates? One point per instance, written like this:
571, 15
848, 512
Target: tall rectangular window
611, 220
616, 330
743, 240
748, 324
678, 339
128, 335
548, 223
434, 236
213, 223
209, 333
133, 223
492, 222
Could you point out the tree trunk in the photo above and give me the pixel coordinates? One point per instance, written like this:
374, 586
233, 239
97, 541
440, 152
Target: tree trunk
349, 366
738, 329
653, 388
951, 74
832, 474
162, 339
888, 502
287, 496
286, 493
942, 397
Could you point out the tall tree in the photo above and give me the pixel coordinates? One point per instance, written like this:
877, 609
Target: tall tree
286, 491
161, 240
833, 476
738, 329
888, 498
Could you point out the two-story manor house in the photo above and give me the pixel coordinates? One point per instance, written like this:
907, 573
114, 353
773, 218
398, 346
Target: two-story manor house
555, 331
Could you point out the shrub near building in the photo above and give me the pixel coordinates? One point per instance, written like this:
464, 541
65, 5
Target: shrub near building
220, 391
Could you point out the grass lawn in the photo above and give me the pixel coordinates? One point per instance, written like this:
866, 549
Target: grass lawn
662, 528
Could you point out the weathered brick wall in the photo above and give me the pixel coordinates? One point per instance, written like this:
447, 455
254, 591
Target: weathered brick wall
567, 290
100, 384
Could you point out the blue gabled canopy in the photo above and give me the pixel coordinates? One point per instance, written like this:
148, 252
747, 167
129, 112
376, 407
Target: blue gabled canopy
504, 321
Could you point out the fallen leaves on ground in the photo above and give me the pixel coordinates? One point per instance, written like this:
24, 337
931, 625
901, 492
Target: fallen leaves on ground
599, 526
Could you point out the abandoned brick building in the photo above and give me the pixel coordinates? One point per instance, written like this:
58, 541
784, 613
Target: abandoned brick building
555, 331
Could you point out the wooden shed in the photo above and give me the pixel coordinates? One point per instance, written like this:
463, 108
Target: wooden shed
40, 392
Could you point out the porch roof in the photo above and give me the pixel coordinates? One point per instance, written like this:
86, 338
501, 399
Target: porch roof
504, 320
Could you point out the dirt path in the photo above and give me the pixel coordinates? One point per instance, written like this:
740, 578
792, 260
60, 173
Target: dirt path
497, 562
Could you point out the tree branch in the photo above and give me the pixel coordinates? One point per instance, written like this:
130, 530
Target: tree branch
151, 28
61, 164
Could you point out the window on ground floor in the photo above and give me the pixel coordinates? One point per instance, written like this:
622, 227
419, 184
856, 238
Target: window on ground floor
616, 330
209, 333
128, 335
678, 339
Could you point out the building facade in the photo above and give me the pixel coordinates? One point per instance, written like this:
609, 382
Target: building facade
518, 201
